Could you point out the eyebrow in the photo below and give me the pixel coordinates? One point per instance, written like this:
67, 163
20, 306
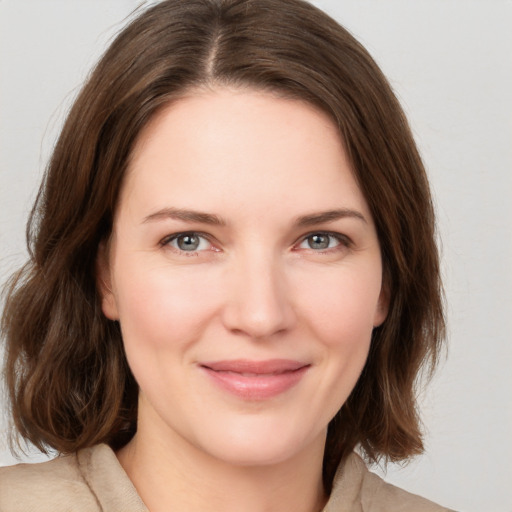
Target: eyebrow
186, 216
328, 216
311, 219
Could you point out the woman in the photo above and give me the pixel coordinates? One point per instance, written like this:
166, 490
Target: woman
233, 279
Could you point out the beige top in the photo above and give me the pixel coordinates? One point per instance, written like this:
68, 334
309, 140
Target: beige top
93, 481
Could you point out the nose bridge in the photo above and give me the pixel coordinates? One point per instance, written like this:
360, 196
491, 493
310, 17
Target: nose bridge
258, 303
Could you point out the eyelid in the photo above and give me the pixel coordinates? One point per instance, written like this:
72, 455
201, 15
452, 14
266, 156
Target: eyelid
165, 241
343, 240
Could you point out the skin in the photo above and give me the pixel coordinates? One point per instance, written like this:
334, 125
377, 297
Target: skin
255, 288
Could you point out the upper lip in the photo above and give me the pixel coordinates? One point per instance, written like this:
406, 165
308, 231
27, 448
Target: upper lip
267, 367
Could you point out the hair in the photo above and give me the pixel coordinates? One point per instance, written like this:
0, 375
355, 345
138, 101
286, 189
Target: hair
68, 381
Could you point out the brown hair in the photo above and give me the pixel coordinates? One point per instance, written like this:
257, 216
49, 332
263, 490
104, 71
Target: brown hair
67, 375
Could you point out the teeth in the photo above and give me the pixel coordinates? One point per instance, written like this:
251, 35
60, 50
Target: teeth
247, 374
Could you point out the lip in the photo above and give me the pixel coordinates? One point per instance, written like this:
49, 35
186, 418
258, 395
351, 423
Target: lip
255, 380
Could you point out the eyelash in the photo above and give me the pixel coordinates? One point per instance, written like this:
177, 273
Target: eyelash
343, 241
165, 242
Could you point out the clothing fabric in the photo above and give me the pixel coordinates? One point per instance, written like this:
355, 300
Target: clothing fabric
92, 480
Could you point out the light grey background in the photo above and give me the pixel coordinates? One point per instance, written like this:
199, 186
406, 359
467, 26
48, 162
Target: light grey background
450, 62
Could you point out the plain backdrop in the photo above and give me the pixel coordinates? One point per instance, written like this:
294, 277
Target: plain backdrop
450, 62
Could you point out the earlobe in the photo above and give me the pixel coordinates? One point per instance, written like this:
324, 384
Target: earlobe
381, 312
104, 283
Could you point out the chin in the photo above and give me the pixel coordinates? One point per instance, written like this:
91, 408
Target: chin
264, 448
256, 455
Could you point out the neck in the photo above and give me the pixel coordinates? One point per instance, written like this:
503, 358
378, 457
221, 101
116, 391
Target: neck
174, 475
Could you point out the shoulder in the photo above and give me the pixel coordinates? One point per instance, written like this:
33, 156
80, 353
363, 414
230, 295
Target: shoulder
55, 485
91, 480
367, 492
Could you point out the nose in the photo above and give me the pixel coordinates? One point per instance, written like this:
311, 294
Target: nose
258, 304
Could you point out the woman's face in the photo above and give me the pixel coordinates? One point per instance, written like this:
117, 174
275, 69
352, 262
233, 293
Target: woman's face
245, 271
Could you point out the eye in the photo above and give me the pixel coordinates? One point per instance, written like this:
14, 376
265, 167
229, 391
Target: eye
322, 241
187, 242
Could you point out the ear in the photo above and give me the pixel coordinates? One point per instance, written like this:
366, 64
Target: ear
104, 282
381, 312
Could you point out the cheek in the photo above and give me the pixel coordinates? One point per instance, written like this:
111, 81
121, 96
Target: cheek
160, 308
341, 306
339, 310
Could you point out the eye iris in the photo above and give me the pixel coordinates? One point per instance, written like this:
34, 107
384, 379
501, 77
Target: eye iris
188, 242
318, 241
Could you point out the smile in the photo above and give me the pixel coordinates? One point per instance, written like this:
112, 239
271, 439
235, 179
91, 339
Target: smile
255, 380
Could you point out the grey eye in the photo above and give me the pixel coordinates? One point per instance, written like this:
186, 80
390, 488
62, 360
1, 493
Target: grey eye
188, 242
319, 241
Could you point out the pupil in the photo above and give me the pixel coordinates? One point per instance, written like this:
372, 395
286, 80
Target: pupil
318, 241
188, 242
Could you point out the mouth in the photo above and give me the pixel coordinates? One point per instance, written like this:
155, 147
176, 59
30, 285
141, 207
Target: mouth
255, 380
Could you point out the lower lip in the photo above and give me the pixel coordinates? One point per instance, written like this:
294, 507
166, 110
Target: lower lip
256, 387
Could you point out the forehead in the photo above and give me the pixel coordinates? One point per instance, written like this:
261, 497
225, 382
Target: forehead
241, 145
243, 108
